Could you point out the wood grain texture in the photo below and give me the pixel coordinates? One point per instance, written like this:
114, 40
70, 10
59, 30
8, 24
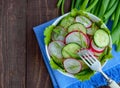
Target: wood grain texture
39, 11
13, 43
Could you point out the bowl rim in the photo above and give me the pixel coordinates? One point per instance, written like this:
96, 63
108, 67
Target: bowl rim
94, 19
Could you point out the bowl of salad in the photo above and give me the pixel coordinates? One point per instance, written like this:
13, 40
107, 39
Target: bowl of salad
71, 33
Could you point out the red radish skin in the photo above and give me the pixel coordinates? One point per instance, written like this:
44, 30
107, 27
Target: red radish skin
94, 48
96, 54
87, 39
75, 60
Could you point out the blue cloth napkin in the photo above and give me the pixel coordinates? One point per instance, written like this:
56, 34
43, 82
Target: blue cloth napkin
112, 67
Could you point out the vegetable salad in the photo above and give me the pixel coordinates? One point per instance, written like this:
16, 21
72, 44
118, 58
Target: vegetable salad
75, 32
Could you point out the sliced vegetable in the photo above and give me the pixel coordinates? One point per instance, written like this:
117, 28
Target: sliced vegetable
70, 50
58, 33
97, 54
73, 33
96, 48
55, 48
77, 37
101, 38
72, 66
67, 21
92, 29
83, 20
104, 9
77, 26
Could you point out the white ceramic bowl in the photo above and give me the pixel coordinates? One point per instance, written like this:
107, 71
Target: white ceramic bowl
93, 18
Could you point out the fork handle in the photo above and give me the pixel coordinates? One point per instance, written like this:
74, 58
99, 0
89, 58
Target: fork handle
111, 82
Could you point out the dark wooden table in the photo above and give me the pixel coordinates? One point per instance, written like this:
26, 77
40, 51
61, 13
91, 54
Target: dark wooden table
21, 62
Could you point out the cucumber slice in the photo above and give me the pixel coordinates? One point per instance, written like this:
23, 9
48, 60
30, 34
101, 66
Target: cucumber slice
77, 26
67, 21
101, 38
72, 66
70, 50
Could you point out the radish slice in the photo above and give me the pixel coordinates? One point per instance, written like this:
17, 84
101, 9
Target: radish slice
95, 48
84, 20
72, 66
90, 31
58, 34
77, 37
55, 48
97, 54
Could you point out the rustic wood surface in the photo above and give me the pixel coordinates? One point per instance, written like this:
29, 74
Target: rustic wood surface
21, 62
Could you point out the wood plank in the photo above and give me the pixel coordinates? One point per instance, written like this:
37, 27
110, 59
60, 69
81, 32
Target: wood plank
37, 74
39, 11
1, 57
12, 43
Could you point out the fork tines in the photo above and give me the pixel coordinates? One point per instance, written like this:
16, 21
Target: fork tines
87, 56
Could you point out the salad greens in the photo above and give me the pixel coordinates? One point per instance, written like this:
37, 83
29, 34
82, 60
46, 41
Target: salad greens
104, 9
47, 34
84, 75
69, 48
67, 21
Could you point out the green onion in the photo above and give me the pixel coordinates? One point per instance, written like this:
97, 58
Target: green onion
103, 7
96, 9
117, 16
62, 10
78, 3
59, 3
73, 3
91, 5
110, 12
83, 6
111, 3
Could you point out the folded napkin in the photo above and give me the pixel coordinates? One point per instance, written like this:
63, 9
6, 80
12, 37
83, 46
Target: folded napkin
112, 67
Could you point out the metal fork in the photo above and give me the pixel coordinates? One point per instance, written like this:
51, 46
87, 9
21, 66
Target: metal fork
95, 65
